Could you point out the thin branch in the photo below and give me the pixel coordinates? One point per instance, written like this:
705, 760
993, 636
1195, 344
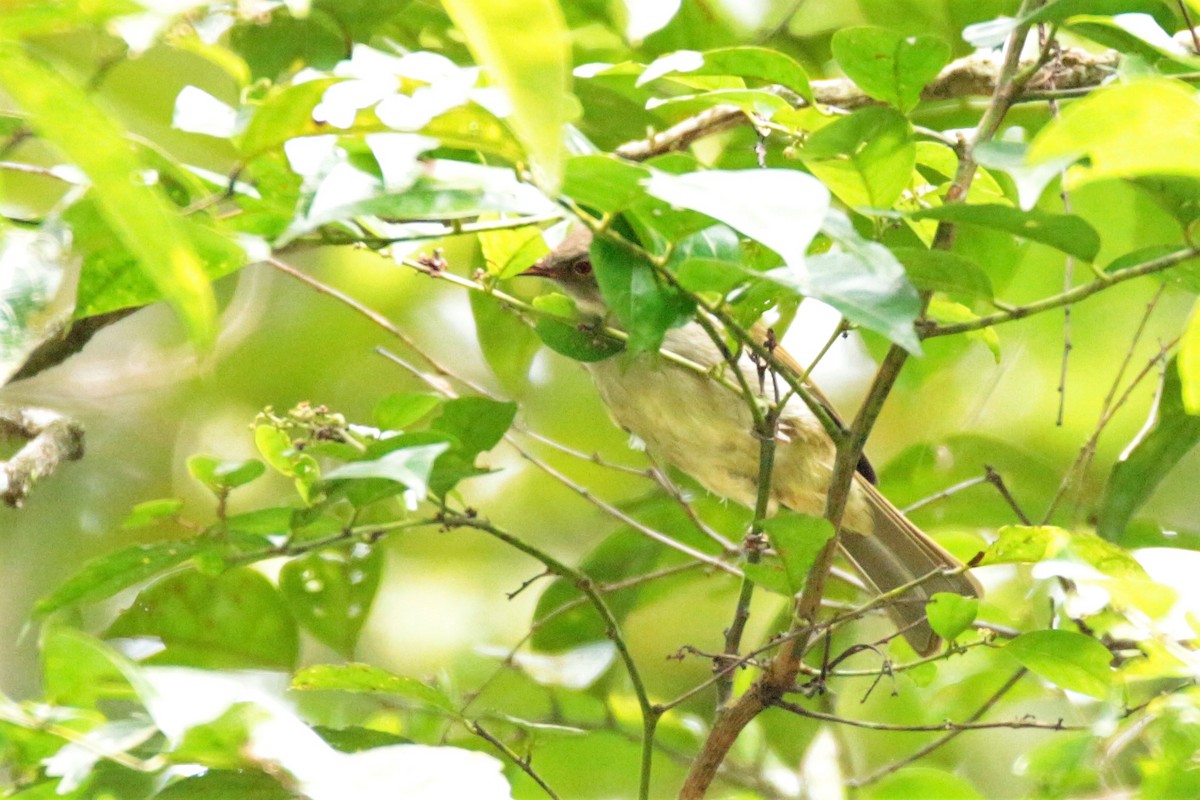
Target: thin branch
950, 736
949, 491
994, 478
953, 727
523, 763
1074, 295
1089, 447
371, 314
975, 75
650, 714
51, 440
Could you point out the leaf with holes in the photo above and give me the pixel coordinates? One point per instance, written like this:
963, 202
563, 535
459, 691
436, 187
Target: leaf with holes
329, 592
235, 620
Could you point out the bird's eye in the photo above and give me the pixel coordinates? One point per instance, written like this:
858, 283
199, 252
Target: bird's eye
583, 267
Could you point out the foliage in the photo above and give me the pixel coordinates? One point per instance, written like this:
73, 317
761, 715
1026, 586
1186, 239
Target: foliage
837, 154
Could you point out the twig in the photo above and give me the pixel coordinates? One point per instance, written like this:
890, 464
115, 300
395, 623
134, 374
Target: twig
1089, 447
949, 491
523, 763
753, 548
1187, 20
994, 478
943, 740
650, 714
616, 513
51, 440
1081, 292
949, 726
374, 316
975, 75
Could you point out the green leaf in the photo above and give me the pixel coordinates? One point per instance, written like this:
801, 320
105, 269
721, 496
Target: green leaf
277, 450
798, 539
221, 743
865, 282
950, 614
571, 339
219, 476
285, 113
509, 251
472, 127
78, 670
645, 306
1060, 10
31, 18
473, 192
140, 216
371, 679
1104, 31
1066, 232
1188, 363
866, 158
1171, 434
219, 784
478, 423
604, 183
781, 208
941, 271
507, 343
274, 45
151, 511
770, 576
113, 277
921, 782
1017, 544
888, 65
1067, 659
235, 620
757, 63
397, 411
524, 46
105, 576
408, 466
330, 592
355, 739
1147, 127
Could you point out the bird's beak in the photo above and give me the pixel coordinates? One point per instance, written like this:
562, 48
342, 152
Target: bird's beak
557, 262
540, 269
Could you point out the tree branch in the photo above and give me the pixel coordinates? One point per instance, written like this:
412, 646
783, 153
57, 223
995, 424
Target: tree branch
51, 440
976, 75
929, 330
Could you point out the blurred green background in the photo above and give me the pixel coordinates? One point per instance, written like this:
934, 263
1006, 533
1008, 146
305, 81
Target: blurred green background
149, 400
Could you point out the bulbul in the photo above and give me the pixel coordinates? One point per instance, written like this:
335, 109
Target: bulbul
705, 429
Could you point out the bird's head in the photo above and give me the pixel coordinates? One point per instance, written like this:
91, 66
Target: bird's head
570, 267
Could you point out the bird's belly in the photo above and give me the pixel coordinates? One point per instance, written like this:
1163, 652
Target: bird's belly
704, 429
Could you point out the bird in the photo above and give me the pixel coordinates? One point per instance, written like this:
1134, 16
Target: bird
704, 428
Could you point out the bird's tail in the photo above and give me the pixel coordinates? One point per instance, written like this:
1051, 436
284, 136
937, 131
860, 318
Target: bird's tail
898, 553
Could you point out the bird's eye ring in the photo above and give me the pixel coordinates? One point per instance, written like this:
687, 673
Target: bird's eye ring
583, 267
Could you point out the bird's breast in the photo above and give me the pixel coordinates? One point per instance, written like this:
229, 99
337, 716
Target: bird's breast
705, 429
